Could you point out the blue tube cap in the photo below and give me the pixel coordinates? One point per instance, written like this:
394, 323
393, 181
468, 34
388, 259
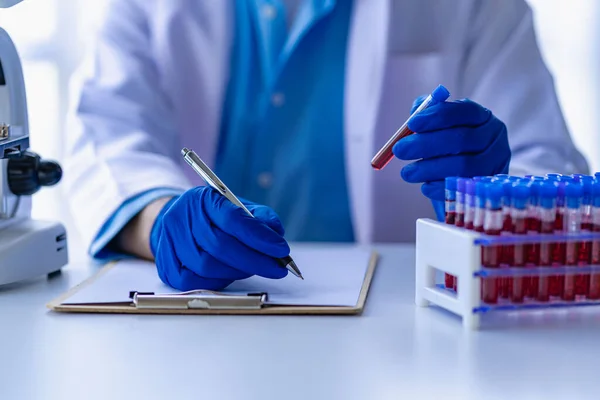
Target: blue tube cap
520, 192
470, 187
554, 177
548, 192
596, 193
506, 187
493, 195
451, 183
461, 184
440, 94
480, 189
573, 194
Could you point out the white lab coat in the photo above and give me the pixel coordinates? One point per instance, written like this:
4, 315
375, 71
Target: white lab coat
157, 77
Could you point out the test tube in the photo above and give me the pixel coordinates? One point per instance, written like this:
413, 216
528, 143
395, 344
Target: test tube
572, 226
594, 292
506, 252
557, 282
450, 218
548, 193
532, 250
582, 282
385, 155
520, 193
492, 225
460, 201
469, 203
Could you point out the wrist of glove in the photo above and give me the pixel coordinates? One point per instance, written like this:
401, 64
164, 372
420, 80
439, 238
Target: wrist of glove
453, 138
200, 240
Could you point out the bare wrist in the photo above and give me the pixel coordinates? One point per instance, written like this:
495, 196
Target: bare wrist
134, 238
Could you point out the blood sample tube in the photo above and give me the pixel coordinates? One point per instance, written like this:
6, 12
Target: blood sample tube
506, 252
520, 193
582, 282
547, 211
450, 218
385, 155
460, 201
492, 225
557, 282
572, 226
594, 292
533, 222
469, 203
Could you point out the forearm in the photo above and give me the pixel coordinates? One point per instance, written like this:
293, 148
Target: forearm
134, 238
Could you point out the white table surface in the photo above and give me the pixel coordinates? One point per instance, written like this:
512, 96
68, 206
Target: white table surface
394, 350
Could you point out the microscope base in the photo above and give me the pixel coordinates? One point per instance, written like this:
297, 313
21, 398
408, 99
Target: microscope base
30, 249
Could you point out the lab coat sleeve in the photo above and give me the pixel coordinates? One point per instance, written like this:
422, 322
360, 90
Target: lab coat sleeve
121, 128
504, 71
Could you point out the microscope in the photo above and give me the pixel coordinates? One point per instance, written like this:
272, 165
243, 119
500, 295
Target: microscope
28, 248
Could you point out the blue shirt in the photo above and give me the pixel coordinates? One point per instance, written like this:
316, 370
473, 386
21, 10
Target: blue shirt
282, 137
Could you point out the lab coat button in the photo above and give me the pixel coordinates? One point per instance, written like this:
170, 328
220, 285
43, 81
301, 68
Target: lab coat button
277, 99
269, 11
265, 180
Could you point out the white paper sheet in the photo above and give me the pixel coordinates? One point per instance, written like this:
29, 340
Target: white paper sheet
333, 276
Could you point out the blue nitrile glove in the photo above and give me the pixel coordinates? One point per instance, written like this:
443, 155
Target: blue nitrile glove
453, 138
201, 240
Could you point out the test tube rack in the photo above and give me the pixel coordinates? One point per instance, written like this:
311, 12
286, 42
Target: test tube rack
457, 251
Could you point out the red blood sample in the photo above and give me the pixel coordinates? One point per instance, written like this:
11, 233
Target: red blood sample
572, 226
556, 283
582, 282
532, 256
490, 258
460, 220
542, 283
568, 292
594, 291
450, 218
506, 254
385, 154
532, 251
516, 288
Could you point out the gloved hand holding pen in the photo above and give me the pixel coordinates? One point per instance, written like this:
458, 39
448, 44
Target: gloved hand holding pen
201, 240
453, 138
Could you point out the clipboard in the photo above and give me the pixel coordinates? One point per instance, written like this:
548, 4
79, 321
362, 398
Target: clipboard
204, 302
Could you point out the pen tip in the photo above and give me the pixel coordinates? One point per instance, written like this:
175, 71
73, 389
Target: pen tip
184, 151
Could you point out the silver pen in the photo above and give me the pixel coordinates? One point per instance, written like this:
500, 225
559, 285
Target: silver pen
213, 180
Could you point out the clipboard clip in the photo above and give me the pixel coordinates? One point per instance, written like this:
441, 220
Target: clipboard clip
198, 299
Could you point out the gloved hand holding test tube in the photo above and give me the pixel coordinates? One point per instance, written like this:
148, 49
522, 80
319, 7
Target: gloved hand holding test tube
385, 155
447, 138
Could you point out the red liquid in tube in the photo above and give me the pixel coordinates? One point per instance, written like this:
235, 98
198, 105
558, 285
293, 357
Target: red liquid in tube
594, 290
516, 289
385, 155
542, 283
